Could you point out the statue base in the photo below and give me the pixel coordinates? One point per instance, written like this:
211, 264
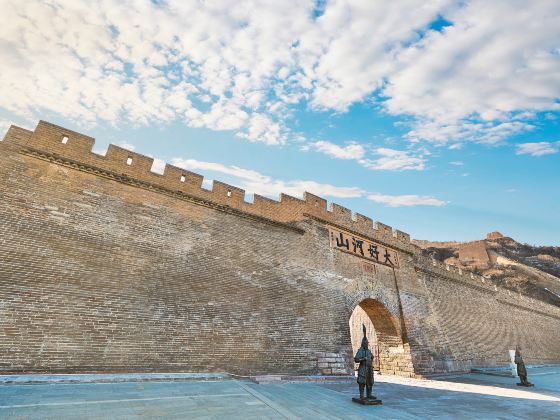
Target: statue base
525, 385
367, 401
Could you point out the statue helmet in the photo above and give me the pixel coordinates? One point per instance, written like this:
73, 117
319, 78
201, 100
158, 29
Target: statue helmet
364, 340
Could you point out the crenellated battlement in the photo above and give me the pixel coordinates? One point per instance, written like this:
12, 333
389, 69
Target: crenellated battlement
52, 141
431, 266
434, 267
526, 302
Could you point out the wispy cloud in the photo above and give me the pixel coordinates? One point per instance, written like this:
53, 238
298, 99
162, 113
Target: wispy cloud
383, 159
394, 160
126, 145
256, 183
406, 200
351, 151
4, 125
538, 149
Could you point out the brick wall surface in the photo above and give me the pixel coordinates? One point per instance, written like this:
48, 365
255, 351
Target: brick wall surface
106, 266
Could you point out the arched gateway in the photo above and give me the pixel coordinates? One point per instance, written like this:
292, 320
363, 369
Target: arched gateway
385, 335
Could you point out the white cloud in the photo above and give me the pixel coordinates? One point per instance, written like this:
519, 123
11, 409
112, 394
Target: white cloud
459, 131
245, 66
456, 163
351, 48
235, 171
257, 183
209, 65
387, 159
262, 128
351, 151
405, 200
538, 149
481, 78
126, 145
4, 126
223, 115
394, 160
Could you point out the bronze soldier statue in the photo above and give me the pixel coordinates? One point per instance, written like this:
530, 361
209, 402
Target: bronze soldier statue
521, 369
365, 373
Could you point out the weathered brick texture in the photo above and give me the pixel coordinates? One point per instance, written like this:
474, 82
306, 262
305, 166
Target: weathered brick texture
106, 266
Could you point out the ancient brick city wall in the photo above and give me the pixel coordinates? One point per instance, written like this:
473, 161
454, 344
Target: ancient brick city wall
106, 266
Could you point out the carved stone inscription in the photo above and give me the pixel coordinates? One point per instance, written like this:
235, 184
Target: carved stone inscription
362, 247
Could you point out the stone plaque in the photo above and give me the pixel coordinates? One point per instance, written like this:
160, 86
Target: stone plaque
356, 245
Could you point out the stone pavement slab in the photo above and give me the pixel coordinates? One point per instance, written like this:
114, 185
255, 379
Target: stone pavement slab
109, 377
465, 396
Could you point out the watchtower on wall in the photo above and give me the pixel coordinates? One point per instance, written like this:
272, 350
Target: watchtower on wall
474, 253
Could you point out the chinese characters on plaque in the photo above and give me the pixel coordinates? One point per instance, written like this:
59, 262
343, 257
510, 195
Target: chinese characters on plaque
356, 245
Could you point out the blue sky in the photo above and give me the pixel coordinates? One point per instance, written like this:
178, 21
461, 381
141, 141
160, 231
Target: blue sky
439, 118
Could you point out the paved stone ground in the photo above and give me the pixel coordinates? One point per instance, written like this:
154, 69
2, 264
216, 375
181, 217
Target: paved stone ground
466, 396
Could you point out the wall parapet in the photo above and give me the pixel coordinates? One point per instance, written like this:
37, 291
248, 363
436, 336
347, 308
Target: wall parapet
50, 140
521, 301
152, 187
433, 267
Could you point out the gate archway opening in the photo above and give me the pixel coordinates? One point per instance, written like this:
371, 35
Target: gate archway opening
392, 356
